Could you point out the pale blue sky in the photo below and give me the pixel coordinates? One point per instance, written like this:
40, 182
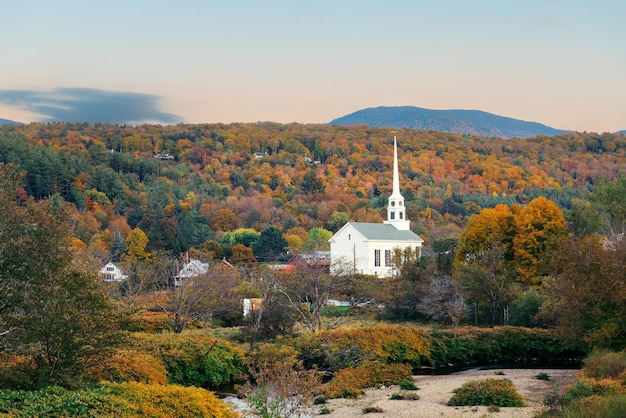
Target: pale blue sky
561, 63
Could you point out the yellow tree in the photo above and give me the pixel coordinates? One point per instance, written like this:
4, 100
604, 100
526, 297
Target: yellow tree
541, 228
224, 220
136, 243
491, 227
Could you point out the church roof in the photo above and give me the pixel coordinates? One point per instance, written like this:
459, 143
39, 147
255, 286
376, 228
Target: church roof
384, 232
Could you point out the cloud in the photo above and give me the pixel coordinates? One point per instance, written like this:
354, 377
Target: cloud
69, 104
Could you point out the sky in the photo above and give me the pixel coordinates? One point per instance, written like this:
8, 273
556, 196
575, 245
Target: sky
558, 62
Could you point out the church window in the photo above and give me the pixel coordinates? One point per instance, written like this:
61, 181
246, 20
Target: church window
349, 237
377, 258
387, 258
392, 215
393, 203
401, 217
109, 268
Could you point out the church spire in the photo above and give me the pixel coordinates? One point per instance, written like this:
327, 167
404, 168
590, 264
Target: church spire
395, 208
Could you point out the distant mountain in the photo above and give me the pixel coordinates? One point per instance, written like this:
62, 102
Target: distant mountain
621, 132
7, 121
471, 122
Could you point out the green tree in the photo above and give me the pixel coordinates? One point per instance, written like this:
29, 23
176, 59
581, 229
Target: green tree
445, 249
271, 245
318, 240
311, 184
488, 283
56, 319
582, 219
609, 198
243, 236
338, 220
586, 292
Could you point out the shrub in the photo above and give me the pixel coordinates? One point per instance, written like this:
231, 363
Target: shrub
408, 385
370, 409
348, 383
493, 408
281, 389
542, 376
505, 344
343, 348
589, 387
115, 399
487, 392
194, 360
602, 364
131, 365
324, 410
320, 400
596, 407
402, 396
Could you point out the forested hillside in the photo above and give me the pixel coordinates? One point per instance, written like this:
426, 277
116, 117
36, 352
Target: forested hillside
213, 178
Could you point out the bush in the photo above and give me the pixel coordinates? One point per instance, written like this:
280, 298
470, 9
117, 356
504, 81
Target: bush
371, 409
136, 366
402, 396
408, 385
324, 410
193, 360
320, 400
348, 383
589, 387
596, 407
542, 376
602, 364
504, 344
337, 349
487, 392
114, 400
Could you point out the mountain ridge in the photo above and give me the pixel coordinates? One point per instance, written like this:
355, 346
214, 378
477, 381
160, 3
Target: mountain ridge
469, 122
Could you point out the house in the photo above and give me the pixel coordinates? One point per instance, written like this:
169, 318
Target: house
112, 273
193, 268
319, 261
368, 248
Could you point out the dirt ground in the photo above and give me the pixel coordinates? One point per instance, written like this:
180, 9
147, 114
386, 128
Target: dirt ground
436, 391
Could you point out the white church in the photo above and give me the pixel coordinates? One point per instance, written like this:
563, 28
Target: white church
368, 248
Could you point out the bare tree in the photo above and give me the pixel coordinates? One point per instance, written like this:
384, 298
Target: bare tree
199, 297
307, 294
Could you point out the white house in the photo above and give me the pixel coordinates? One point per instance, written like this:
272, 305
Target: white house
193, 268
112, 273
368, 248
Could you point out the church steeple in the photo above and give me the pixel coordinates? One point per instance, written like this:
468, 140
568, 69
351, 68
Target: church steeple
395, 208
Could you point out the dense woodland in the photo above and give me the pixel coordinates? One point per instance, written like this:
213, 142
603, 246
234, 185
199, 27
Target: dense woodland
527, 233
311, 176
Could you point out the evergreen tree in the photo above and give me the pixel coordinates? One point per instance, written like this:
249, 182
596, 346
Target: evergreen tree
271, 245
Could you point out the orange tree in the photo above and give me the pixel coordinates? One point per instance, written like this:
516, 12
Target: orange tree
505, 248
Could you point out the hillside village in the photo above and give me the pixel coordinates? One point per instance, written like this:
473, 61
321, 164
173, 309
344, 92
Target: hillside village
329, 259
